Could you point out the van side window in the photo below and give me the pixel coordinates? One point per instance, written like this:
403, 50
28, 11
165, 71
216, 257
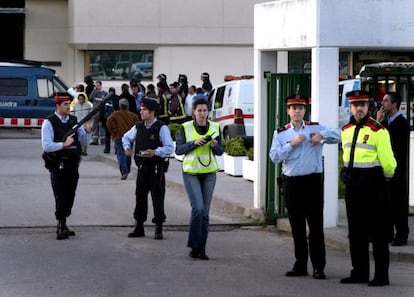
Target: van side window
219, 98
45, 88
13, 87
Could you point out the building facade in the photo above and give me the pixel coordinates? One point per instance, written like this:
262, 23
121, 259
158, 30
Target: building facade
114, 40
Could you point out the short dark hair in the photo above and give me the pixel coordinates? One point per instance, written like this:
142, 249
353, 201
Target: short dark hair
395, 98
199, 102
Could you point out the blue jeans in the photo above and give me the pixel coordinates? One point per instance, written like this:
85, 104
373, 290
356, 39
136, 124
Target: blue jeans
123, 161
200, 192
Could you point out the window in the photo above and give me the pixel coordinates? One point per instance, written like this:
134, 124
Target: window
119, 65
13, 87
47, 87
219, 98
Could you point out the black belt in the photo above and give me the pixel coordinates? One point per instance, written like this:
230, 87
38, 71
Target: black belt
300, 177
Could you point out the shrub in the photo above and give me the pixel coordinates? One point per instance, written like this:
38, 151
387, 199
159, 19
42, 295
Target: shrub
250, 154
235, 147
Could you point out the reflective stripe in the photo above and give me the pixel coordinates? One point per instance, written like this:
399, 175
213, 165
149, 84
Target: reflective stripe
362, 146
201, 159
183, 115
364, 165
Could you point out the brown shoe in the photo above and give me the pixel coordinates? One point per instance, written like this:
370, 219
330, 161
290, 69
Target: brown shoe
124, 176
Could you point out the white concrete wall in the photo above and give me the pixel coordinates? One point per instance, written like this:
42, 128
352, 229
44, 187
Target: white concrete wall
187, 36
347, 24
162, 22
46, 33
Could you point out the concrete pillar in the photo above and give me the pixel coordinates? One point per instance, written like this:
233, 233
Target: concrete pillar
325, 111
282, 62
263, 61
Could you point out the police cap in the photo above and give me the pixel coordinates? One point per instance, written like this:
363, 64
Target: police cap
358, 96
296, 99
62, 97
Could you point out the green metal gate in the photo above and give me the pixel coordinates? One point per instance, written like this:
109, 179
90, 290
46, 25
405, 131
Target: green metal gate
279, 86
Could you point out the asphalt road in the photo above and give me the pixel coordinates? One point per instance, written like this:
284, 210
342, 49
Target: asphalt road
100, 261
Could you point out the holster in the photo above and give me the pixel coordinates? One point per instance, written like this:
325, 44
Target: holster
51, 160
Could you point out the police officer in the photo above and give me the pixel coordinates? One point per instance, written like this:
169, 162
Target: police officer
153, 144
298, 145
368, 164
62, 157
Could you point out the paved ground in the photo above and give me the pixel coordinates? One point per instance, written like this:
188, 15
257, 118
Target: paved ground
100, 261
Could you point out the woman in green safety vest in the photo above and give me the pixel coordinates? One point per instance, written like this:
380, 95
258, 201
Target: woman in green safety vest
200, 141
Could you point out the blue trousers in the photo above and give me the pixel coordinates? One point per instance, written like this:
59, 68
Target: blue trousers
200, 192
123, 161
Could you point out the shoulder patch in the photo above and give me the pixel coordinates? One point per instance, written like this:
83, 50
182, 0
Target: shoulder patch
347, 126
373, 124
285, 127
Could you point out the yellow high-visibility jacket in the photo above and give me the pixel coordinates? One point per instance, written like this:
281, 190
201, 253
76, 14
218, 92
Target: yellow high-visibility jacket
372, 149
201, 159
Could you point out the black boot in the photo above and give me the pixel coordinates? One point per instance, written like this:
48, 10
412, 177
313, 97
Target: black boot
62, 230
158, 232
138, 231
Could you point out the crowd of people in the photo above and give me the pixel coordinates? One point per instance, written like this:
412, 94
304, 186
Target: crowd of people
374, 155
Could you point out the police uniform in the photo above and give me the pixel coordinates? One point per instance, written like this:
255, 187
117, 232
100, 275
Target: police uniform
62, 163
368, 162
303, 188
151, 171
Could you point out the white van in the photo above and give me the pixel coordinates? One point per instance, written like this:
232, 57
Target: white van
231, 105
345, 86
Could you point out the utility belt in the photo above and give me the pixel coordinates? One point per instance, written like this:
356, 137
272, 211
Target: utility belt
57, 160
161, 165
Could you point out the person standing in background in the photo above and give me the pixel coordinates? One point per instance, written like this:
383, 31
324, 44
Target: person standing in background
206, 86
126, 95
138, 95
118, 123
96, 97
80, 110
89, 85
399, 130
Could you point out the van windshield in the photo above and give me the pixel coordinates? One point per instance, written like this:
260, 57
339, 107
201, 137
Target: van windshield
47, 87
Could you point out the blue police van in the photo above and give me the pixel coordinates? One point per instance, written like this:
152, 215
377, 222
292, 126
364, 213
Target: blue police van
26, 93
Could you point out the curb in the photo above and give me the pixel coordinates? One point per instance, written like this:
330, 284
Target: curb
335, 238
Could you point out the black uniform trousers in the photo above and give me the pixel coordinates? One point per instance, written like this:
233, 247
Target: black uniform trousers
399, 204
64, 183
367, 203
304, 202
150, 178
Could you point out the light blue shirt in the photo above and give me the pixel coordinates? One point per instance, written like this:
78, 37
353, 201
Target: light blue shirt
48, 134
163, 151
393, 117
304, 158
